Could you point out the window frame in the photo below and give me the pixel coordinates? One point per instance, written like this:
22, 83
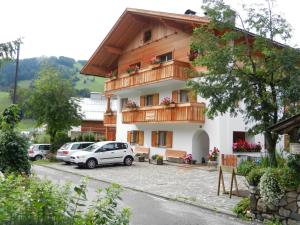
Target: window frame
123, 103
151, 97
134, 139
159, 139
164, 57
147, 36
181, 96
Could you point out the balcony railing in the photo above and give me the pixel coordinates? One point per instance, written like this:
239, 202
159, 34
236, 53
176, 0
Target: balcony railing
183, 112
110, 119
170, 70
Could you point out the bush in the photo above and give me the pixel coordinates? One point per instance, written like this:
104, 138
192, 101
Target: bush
159, 158
254, 176
245, 167
241, 208
154, 157
289, 178
89, 137
270, 186
60, 139
293, 162
31, 201
13, 152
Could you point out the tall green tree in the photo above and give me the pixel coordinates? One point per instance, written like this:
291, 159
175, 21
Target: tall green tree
52, 102
251, 69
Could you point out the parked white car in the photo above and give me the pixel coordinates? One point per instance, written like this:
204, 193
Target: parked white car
68, 149
38, 151
105, 152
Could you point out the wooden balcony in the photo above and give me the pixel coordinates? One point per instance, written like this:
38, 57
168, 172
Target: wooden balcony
181, 113
110, 119
173, 70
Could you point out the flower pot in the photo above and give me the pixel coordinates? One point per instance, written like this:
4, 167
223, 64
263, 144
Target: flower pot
140, 158
212, 163
159, 161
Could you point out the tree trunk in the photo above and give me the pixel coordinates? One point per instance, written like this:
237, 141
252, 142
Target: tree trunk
271, 140
52, 138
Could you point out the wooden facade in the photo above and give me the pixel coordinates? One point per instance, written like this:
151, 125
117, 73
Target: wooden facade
110, 119
175, 70
183, 113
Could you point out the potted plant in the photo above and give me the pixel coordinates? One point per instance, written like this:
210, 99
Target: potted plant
140, 157
188, 159
157, 159
131, 105
213, 157
133, 69
112, 75
155, 62
166, 101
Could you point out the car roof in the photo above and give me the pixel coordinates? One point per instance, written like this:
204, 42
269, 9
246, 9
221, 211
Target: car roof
80, 142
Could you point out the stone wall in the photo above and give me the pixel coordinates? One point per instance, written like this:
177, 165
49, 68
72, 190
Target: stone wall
287, 211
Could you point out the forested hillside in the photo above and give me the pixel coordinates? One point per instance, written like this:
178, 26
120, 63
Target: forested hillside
68, 67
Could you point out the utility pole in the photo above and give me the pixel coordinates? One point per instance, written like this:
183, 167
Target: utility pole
16, 74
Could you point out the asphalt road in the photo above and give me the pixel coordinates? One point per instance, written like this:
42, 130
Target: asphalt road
146, 209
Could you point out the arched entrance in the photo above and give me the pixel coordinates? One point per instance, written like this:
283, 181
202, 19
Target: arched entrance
200, 146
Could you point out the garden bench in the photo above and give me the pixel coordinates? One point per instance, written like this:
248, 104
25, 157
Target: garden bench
176, 156
144, 151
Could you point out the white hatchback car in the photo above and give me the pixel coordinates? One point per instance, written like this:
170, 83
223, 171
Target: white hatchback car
68, 149
38, 151
105, 152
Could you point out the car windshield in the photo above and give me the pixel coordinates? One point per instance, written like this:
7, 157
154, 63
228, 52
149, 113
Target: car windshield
91, 148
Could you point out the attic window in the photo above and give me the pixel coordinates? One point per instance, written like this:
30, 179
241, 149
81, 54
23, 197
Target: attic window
147, 36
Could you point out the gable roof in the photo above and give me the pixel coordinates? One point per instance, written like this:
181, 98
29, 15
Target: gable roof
125, 29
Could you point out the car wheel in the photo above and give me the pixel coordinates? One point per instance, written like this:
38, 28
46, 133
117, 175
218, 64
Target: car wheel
128, 161
91, 164
38, 157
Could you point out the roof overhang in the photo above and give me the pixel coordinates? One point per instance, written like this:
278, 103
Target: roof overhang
125, 29
287, 125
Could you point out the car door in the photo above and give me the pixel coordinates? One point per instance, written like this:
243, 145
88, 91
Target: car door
120, 152
106, 153
44, 149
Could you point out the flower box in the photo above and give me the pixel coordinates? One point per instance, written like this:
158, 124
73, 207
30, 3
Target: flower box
244, 146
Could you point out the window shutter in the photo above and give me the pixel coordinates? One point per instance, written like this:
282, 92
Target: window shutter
142, 101
141, 138
192, 96
169, 141
129, 133
286, 141
156, 99
175, 96
154, 139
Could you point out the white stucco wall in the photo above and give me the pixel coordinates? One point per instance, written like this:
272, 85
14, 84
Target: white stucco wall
220, 129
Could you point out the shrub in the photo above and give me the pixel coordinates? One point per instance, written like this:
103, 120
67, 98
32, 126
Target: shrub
31, 201
154, 157
270, 186
60, 138
245, 167
254, 176
241, 208
13, 152
293, 162
89, 137
289, 178
159, 158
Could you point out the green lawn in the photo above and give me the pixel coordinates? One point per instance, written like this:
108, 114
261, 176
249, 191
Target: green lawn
26, 124
90, 82
4, 100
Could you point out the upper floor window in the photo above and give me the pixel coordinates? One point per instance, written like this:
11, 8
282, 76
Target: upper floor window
147, 36
148, 100
184, 96
165, 57
123, 103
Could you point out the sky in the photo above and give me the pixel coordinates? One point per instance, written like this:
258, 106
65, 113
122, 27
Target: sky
75, 28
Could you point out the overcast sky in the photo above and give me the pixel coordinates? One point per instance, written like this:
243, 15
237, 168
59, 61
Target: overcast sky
75, 28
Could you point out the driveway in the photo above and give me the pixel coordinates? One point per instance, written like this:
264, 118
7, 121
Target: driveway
193, 185
146, 209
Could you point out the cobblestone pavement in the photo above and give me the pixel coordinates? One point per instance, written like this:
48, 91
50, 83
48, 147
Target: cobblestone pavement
194, 185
